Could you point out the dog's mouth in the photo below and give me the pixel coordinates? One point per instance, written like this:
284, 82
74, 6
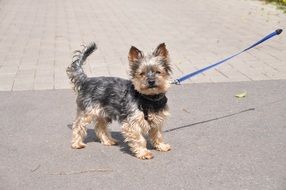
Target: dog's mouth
152, 90
152, 86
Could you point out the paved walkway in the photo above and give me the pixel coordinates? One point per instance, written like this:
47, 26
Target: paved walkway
37, 38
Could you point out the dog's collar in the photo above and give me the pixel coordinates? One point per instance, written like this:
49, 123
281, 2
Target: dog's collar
151, 103
148, 103
152, 98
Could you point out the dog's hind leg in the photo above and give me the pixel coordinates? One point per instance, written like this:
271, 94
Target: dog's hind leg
102, 132
79, 130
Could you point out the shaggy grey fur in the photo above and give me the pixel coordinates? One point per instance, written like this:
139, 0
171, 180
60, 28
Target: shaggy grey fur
116, 96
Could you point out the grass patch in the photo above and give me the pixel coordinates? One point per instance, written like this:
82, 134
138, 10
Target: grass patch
280, 4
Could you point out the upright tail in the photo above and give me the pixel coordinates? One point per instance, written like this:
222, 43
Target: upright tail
75, 71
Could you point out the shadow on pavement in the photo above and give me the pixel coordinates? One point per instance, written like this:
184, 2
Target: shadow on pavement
209, 120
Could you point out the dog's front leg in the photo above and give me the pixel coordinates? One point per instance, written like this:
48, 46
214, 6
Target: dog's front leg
155, 132
133, 131
156, 138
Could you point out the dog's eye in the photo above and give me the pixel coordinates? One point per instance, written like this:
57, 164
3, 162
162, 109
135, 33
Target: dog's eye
142, 73
158, 72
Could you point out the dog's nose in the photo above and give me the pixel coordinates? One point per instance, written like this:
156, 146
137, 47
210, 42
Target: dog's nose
151, 83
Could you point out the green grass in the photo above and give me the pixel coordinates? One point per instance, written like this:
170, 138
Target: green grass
281, 4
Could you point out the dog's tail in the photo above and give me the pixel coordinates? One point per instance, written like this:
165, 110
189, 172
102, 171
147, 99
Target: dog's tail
75, 71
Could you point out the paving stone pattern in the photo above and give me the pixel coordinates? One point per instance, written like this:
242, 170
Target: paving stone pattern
37, 38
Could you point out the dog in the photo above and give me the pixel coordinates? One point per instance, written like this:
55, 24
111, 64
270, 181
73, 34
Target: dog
139, 104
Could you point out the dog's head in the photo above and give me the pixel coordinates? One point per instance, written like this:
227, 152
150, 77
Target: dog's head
150, 74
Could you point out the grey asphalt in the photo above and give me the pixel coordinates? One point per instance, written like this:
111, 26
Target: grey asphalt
218, 142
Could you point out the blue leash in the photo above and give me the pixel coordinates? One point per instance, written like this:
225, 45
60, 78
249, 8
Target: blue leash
185, 77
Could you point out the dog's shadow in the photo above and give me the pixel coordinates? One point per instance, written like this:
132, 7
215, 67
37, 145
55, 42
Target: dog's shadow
91, 137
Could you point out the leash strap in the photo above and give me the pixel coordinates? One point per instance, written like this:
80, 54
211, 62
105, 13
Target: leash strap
185, 77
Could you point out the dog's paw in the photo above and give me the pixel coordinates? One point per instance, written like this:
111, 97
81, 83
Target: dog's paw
163, 147
145, 155
109, 142
78, 145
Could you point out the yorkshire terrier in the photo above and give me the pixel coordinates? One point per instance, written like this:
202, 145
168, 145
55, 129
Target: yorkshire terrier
139, 104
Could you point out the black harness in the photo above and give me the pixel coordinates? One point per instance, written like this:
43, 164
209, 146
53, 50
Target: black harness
151, 103
147, 103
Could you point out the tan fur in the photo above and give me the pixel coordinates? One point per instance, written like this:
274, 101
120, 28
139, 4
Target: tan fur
162, 78
136, 125
84, 118
102, 133
79, 130
133, 130
155, 133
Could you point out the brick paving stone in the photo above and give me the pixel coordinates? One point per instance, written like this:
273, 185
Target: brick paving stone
38, 35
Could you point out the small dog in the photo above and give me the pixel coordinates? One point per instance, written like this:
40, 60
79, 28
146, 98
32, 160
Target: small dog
139, 104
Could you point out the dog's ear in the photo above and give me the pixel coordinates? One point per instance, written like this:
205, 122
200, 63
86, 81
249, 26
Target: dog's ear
161, 51
135, 55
